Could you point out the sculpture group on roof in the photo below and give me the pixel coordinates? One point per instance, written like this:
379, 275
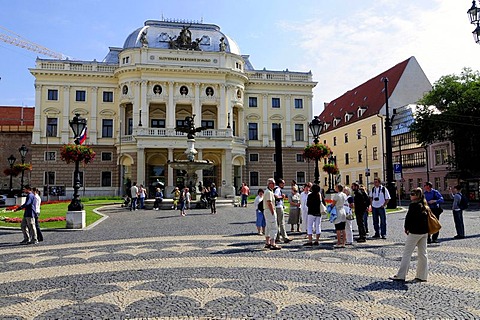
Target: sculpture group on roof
184, 41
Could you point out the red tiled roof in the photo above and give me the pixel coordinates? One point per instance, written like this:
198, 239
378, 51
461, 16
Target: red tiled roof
369, 95
16, 116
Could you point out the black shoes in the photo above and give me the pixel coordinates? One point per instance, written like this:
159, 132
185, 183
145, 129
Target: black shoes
395, 278
418, 280
361, 240
376, 236
459, 237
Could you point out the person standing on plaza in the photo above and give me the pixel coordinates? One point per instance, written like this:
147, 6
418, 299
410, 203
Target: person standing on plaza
434, 200
259, 209
213, 198
270, 213
458, 212
142, 194
244, 192
176, 197
348, 206
314, 216
369, 209
379, 197
28, 221
294, 217
38, 202
183, 201
158, 199
279, 208
134, 195
338, 201
416, 229
303, 204
360, 203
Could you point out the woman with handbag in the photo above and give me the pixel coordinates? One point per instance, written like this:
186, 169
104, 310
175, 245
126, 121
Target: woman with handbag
416, 229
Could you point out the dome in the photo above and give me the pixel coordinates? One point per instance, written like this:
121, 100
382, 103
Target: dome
161, 34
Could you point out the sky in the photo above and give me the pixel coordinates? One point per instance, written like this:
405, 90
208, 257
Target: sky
342, 42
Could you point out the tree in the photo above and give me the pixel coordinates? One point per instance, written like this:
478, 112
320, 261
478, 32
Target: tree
451, 111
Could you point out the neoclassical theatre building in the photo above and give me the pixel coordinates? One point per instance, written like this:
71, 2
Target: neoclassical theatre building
136, 96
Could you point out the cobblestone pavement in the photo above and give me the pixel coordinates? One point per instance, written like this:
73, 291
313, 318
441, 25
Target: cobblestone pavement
159, 265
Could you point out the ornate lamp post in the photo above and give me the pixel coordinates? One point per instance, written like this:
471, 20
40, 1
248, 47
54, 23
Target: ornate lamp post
367, 170
77, 124
11, 162
331, 183
316, 127
474, 16
23, 153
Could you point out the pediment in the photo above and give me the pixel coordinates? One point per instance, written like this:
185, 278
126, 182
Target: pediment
276, 117
51, 110
158, 114
107, 113
299, 118
253, 116
80, 111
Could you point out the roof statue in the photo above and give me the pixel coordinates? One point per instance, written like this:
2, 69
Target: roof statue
143, 39
184, 41
222, 46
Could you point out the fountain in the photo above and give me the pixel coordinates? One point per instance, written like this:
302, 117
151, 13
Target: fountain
190, 166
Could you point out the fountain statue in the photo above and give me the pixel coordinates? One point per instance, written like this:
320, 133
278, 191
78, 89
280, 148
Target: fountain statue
190, 165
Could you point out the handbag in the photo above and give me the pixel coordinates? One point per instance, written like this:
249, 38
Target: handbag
433, 224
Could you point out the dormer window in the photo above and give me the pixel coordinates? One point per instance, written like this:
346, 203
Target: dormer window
326, 125
361, 111
348, 116
336, 121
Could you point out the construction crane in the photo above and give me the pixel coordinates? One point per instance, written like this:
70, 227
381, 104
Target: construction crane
21, 42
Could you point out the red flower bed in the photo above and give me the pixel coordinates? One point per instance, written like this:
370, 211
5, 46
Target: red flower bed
19, 220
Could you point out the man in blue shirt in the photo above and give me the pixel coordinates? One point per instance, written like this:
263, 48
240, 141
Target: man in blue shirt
28, 221
434, 199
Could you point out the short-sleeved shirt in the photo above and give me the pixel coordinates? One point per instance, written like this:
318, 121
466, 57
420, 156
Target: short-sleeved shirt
278, 193
134, 191
379, 193
268, 196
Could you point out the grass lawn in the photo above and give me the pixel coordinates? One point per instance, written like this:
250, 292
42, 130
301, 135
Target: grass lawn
58, 210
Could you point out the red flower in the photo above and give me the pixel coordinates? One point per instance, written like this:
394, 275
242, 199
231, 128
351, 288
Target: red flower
72, 153
331, 168
316, 151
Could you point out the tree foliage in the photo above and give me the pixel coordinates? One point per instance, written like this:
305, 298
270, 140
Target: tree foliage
451, 111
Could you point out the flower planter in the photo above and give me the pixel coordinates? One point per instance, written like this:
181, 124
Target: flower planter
76, 219
316, 151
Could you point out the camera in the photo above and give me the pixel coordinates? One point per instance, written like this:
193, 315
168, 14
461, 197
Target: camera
376, 199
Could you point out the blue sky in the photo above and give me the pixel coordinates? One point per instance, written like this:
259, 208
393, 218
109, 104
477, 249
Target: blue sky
343, 43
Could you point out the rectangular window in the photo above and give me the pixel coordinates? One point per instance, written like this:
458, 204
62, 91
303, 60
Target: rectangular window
106, 179
359, 134
50, 155
300, 157
209, 124
52, 94
106, 156
437, 183
334, 141
275, 102
80, 95
375, 153
374, 129
252, 102
274, 126
347, 158
254, 157
49, 178
181, 123
157, 123
130, 126
360, 178
252, 131
347, 179
107, 128
360, 157
107, 96
298, 103
346, 137
301, 177
52, 125
441, 156
253, 178
419, 182
299, 135
410, 184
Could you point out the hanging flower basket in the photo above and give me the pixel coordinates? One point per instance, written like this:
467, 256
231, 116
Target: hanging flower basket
19, 167
11, 172
72, 152
331, 168
316, 151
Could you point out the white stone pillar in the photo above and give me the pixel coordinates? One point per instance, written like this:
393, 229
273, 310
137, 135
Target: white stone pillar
38, 116
200, 172
92, 122
144, 104
265, 134
197, 109
241, 123
170, 106
141, 165
136, 106
66, 115
170, 183
227, 172
288, 123
223, 106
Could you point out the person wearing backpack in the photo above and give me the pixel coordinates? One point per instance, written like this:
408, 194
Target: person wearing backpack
434, 200
379, 196
457, 209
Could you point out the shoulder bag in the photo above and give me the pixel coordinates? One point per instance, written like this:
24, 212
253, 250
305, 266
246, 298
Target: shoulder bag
433, 224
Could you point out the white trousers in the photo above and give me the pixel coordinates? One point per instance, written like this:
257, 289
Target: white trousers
271, 227
349, 231
304, 217
419, 241
314, 222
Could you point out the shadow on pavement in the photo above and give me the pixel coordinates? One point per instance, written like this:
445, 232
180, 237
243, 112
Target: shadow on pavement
384, 285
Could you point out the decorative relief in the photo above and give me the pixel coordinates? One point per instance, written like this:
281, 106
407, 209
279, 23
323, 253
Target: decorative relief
253, 116
299, 117
276, 117
107, 113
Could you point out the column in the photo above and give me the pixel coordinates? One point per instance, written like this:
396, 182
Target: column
197, 109
136, 107
144, 104
265, 137
221, 110
288, 123
170, 184
38, 116
170, 107
241, 122
65, 114
227, 173
200, 172
92, 122
141, 165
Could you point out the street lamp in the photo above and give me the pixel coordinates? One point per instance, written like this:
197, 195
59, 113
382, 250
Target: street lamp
77, 124
331, 183
392, 204
367, 171
316, 127
23, 152
11, 162
474, 16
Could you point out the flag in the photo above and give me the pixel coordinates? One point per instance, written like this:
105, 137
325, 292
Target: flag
83, 136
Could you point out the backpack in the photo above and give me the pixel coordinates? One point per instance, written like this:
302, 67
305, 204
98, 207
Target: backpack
463, 204
382, 188
277, 201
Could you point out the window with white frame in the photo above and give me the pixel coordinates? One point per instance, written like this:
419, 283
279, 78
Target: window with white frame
254, 157
106, 156
298, 103
253, 178
299, 134
107, 128
300, 157
275, 102
106, 178
49, 177
301, 177
50, 155
375, 153
360, 156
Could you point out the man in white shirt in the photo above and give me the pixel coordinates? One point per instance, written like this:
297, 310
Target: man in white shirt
134, 194
379, 197
279, 196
